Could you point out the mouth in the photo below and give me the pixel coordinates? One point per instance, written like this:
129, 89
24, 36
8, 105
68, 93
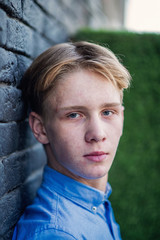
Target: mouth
96, 156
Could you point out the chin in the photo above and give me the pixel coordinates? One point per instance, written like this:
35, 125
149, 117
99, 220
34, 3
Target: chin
96, 175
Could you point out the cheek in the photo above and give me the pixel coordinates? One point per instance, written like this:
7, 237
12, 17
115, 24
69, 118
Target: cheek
64, 141
69, 135
119, 125
116, 131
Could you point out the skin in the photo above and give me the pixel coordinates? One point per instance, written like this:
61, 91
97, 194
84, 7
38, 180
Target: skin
83, 127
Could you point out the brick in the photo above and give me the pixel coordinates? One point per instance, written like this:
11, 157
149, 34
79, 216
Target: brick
12, 107
81, 16
12, 175
54, 30
23, 39
14, 171
26, 137
35, 158
10, 210
8, 138
8, 67
50, 7
19, 37
22, 64
15, 136
33, 15
3, 27
12, 7
8, 235
2, 180
12, 204
17, 167
63, 13
40, 44
50, 28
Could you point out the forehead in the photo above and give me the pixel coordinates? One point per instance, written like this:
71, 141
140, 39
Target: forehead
83, 87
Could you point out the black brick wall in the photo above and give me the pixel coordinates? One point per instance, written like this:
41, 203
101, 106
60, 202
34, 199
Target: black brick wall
27, 28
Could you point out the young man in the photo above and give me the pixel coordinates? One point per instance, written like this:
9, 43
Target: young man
75, 93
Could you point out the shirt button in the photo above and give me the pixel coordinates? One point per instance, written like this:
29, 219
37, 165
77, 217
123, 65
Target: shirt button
94, 209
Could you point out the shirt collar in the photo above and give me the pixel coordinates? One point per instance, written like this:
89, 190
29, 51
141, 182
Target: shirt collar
80, 193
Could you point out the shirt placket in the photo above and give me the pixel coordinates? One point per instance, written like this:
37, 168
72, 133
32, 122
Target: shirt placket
109, 218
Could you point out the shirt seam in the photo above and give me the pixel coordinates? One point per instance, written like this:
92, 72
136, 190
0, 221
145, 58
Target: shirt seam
51, 228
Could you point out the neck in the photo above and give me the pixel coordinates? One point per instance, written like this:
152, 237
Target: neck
99, 183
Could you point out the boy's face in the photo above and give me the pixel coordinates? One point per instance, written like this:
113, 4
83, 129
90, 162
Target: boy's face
83, 127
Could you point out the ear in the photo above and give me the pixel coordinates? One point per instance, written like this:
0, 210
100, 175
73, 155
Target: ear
38, 129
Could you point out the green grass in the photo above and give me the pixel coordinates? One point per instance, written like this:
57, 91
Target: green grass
135, 173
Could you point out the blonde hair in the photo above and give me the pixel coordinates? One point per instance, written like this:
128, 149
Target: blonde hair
62, 59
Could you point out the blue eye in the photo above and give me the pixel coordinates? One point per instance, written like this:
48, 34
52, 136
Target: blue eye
73, 115
107, 113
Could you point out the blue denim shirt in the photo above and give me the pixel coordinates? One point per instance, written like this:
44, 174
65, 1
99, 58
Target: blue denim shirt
67, 209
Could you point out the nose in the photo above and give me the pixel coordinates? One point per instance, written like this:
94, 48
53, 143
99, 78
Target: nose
95, 131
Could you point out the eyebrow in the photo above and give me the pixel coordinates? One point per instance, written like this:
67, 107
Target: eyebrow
110, 105
106, 105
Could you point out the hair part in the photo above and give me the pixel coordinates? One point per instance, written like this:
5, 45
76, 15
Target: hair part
60, 60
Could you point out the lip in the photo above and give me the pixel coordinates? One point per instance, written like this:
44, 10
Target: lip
98, 156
